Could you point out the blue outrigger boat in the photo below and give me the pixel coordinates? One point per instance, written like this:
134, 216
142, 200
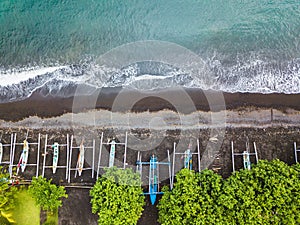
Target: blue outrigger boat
153, 185
153, 179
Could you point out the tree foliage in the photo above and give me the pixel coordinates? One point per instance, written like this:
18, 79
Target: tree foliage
117, 197
7, 193
192, 199
269, 193
47, 195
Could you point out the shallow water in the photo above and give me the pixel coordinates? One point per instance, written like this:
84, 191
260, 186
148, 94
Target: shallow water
247, 46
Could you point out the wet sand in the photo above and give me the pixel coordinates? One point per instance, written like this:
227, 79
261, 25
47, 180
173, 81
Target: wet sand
109, 99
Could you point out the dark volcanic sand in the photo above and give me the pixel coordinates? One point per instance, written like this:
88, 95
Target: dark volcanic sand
272, 142
54, 106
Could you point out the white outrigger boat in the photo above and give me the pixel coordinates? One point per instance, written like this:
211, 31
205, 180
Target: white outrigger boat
246, 160
112, 153
55, 147
24, 157
80, 160
1, 152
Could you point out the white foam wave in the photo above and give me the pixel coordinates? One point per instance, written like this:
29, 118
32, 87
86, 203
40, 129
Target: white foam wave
257, 76
150, 77
14, 77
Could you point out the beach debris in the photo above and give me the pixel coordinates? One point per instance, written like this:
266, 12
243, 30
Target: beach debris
214, 139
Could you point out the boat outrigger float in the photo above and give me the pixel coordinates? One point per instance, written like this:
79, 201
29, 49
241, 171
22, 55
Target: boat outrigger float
24, 157
80, 160
55, 147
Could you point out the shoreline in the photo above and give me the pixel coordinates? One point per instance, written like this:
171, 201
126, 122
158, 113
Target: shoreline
116, 99
162, 120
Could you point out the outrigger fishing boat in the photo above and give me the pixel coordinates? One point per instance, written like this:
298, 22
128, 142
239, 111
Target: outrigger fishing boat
188, 158
246, 160
1, 152
55, 147
80, 160
246, 154
153, 179
153, 188
24, 157
112, 153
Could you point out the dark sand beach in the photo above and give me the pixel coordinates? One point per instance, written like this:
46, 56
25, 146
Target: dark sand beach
49, 106
270, 120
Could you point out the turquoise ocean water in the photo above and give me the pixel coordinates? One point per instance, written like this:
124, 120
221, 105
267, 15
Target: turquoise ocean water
248, 45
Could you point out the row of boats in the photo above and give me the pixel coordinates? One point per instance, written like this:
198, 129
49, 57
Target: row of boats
55, 148
153, 163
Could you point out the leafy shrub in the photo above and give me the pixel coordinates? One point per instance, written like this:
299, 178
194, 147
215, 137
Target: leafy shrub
117, 197
7, 193
47, 196
269, 193
192, 200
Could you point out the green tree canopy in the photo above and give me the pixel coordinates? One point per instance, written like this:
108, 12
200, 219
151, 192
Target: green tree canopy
192, 199
269, 193
7, 193
47, 195
117, 197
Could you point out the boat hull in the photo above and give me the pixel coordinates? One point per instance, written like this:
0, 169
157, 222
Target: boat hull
153, 191
24, 157
80, 159
112, 154
55, 147
153, 175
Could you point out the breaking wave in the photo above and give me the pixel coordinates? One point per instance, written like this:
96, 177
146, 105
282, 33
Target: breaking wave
255, 75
